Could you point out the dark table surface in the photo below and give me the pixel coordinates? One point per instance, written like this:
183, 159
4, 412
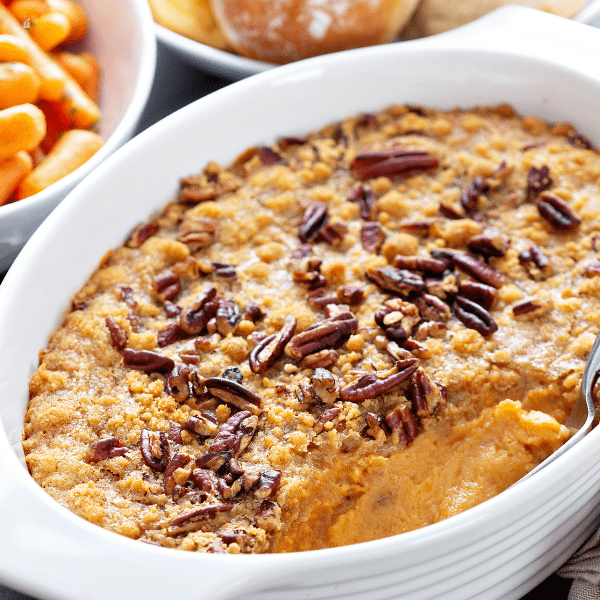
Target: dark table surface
176, 85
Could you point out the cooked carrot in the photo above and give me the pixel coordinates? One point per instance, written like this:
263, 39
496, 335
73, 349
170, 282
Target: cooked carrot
73, 149
19, 84
92, 85
12, 170
56, 123
21, 128
50, 30
52, 75
75, 14
12, 49
78, 105
83, 68
28, 9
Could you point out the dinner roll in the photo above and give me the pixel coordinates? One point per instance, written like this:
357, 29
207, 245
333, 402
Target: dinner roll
190, 18
436, 16
282, 31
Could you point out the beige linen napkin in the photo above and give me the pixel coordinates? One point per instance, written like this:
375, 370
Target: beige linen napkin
584, 569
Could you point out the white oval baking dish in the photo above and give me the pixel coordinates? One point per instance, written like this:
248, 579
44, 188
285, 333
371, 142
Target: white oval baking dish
539, 63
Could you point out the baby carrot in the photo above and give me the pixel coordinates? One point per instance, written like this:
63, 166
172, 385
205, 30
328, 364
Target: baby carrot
28, 9
83, 68
52, 75
12, 170
19, 84
78, 105
73, 149
75, 14
49, 30
56, 123
92, 83
21, 128
12, 49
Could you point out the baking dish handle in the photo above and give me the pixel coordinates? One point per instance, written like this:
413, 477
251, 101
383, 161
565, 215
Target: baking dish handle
534, 32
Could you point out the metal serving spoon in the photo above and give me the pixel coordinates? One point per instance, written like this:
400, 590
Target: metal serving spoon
582, 416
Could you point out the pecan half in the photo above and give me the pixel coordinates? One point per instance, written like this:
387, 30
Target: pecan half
481, 293
235, 434
424, 264
366, 198
425, 397
228, 316
194, 520
167, 285
470, 195
474, 316
395, 163
315, 217
556, 211
538, 180
326, 334
267, 484
402, 424
372, 237
432, 308
372, 385
106, 448
400, 281
202, 479
471, 265
154, 447
147, 361
324, 359
234, 393
264, 355
118, 337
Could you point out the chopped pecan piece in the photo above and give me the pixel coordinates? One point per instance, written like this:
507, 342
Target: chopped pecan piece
118, 337
267, 484
471, 265
234, 393
332, 233
235, 434
326, 334
269, 157
141, 234
326, 416
488, 244
579, 141
349, 294
197, 233
538, 180
178, 461
395, 163
400, 281
526, 307
425, 397
154, 447
402, 424
265, 354
268, 516
373, 384
374, 427
474, 316
366, 198
202, 479
432, 308
172, 310
175, 433
147, 361
106, 448
536, 262
194, 520
177, 383
202, 424
253, 313
315, 217
213, 460
592, 270
127, 295
193, 320
556, 211
169, 335
227, 317
372, 237
451, 212
470, 196
320, 298
223, 269
167, 285
196, 189
326, 385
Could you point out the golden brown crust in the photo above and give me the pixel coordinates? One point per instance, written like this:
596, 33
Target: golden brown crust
287, 30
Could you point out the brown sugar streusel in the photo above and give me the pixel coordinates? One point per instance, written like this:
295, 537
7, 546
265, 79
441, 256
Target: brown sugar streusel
337, 338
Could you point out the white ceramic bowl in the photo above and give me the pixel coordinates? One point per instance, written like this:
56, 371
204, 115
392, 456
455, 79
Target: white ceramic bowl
497, 550
121, 35
234, 67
